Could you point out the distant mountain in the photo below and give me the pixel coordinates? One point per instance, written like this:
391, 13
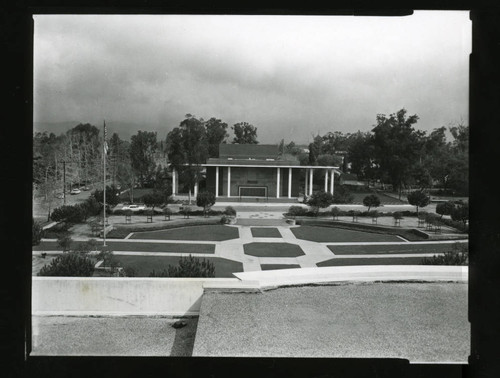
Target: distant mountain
124, 129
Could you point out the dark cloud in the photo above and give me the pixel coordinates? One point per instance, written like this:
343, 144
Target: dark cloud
289, 76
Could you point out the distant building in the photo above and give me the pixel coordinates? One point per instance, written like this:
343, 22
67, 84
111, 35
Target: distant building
257, 171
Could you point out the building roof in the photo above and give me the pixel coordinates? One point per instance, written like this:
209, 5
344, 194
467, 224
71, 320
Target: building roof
246, 151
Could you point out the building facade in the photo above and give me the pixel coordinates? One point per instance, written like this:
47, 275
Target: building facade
259, 171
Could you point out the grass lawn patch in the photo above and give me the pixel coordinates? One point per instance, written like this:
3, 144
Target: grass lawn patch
278, 266
374, 261
273, 250
389, 249
331, 234
139, 247
264, 232
146, 264
208, 233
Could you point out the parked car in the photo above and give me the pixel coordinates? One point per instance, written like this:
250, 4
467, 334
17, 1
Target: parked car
75, 191
86, 188
134, 207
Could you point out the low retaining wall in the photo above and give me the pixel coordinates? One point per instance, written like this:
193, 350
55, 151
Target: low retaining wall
103, 296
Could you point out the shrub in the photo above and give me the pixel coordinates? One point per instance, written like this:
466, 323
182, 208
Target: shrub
86, 246
335, 212
167, 212
69, 265
65, 242
296, 211
445, 208
373, 214
459, 255
225, 219
230, 211
188, 267
461, 213
129, 271
108, 258
319, 200
185, 211
36, 232
71, 214
371, 201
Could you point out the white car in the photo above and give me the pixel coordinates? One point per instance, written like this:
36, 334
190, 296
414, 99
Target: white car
75, 191
134, 207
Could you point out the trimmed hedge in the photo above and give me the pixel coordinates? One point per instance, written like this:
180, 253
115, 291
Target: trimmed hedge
56, 231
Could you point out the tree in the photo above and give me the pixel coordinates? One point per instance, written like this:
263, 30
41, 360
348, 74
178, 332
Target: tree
188, 267
187, 148
205, 200
371, 201
445, 208
143, 147
244, 133
69, 265
153, 199
397, 146
112, 195
361, 155
216, 134
315, 149
418, 199
319, 200
461, 213
36, 232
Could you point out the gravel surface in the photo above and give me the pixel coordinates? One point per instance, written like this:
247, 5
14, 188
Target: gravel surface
416, 321
111, 336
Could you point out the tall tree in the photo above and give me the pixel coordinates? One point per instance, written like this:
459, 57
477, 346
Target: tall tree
143, 147
216, 131
244, 133
397, 146
187, 148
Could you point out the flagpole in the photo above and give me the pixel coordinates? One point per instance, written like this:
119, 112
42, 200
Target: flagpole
104, 186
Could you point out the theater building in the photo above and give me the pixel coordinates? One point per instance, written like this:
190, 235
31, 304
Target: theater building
258, 171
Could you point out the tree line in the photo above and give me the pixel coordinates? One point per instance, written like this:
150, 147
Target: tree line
392, 152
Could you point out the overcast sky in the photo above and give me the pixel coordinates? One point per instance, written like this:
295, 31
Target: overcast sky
290, 76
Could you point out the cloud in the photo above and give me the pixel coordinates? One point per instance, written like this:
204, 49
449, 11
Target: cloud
287, 75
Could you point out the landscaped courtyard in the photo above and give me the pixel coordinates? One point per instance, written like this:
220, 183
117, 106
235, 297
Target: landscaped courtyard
239, 248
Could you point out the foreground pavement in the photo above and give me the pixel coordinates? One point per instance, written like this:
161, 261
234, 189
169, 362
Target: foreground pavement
421, 322
111, 336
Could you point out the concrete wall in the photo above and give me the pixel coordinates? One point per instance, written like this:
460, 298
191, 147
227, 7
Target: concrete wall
119, 296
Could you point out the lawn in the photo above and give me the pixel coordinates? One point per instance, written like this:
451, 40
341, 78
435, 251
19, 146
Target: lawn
273, 250
278, 266
146, 264
340, 235
389, 249
206, 233
139, 247
373, 261
264, 232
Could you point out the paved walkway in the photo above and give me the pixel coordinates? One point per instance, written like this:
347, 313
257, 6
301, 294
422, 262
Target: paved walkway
233, 249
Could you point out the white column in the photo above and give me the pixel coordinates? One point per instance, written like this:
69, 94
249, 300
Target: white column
216, 182
196, 189
229, 181
306, 192
326, 180
174, 191
332, 174
278, 182
310, 181
289, 182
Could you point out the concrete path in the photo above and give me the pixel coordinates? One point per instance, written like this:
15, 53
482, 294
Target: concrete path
314, 252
